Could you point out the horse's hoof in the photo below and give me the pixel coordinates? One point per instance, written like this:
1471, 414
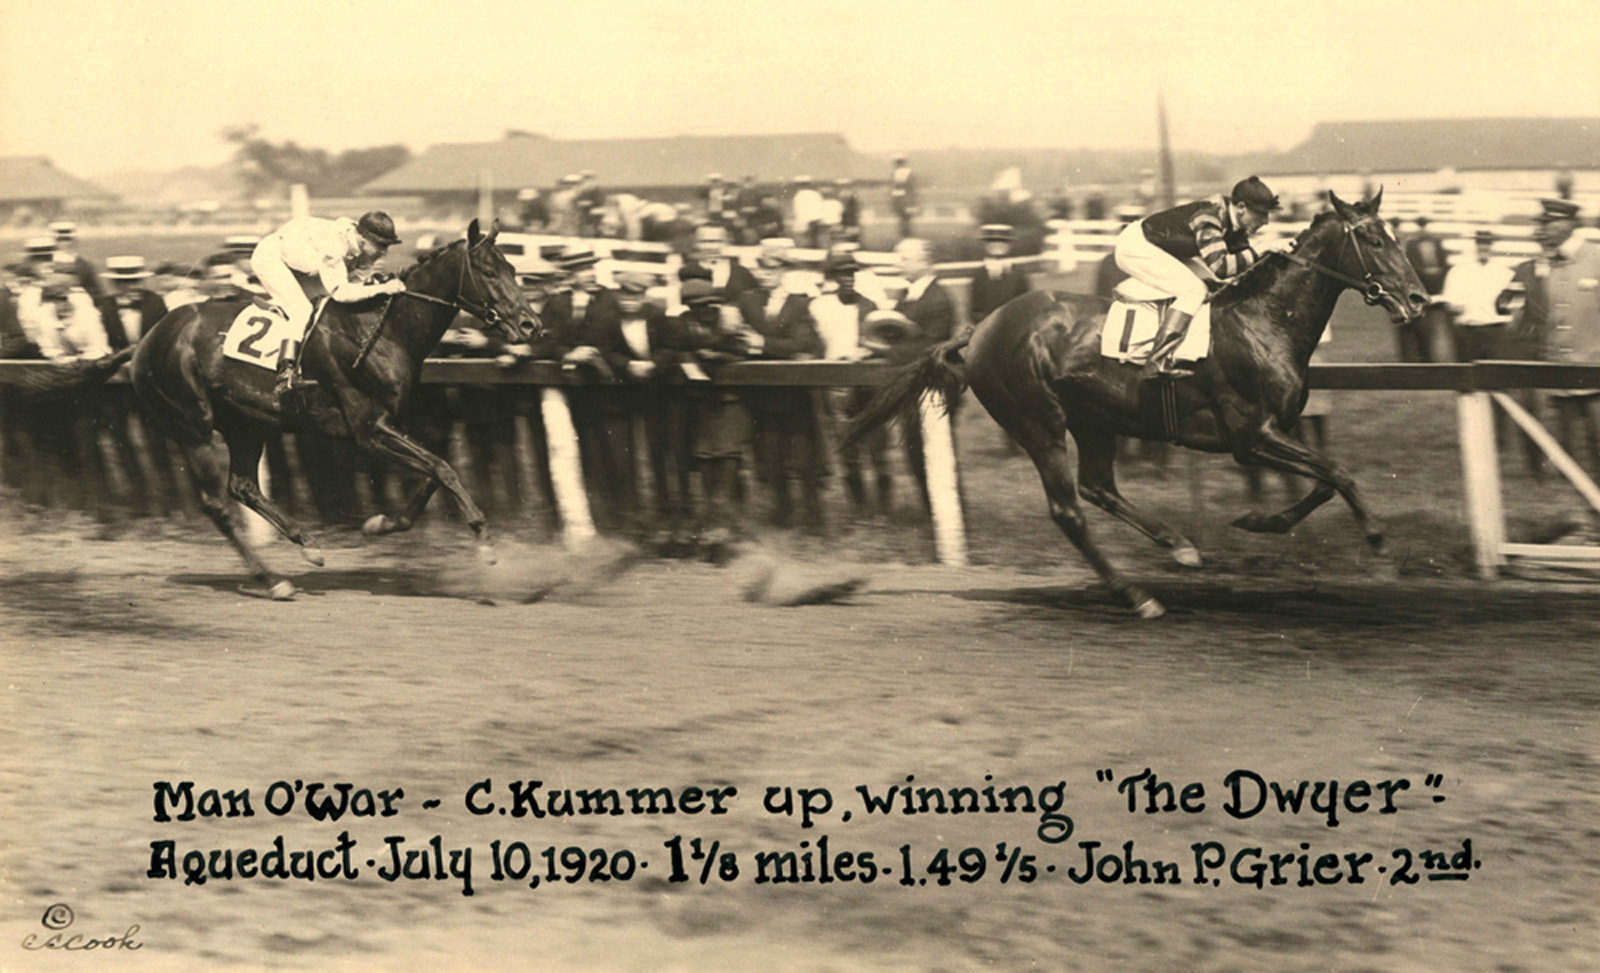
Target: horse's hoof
281, 591
1186, 555
1148, 608
377, 524
1375, 539
313, 554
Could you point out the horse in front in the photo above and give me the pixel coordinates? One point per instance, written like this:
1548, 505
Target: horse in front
1039, 365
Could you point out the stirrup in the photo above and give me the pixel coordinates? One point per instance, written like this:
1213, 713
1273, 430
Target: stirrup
1164, 369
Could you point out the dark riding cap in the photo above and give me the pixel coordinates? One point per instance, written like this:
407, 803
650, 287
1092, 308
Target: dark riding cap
1254, 193
378, 228
699, 293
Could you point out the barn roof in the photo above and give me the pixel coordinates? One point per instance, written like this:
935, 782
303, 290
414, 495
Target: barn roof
28, 178
686, 160
1430, 144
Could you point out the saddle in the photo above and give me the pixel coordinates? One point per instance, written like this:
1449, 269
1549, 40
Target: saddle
1135, 315
258, 332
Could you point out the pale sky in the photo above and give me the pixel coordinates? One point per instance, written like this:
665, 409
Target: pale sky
107, 85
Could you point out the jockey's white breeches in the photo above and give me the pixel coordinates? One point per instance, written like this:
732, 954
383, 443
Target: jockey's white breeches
282, 284
1148, 263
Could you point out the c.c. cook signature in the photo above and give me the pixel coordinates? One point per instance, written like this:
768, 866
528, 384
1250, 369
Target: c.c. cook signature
60, 916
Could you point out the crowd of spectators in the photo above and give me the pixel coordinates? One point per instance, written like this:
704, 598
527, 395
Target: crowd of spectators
669, 454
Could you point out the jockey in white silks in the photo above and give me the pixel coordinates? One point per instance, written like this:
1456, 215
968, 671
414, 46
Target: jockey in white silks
1215, 231
309, 256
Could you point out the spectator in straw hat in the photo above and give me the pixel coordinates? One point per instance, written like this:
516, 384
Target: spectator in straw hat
927, 303
789, 445
130, 308
714, 336
807, 208
66, 254
841, 314
998, 280
903, 194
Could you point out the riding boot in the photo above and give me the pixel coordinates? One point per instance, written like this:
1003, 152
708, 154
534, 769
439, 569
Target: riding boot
1174, 325
288, 368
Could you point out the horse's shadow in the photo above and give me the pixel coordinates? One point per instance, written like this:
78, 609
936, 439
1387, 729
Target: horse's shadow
384, 581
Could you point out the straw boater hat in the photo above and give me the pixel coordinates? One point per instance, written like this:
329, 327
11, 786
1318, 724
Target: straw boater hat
39, 249
576, 257
126, 268
995, 232
64, 229
241, 243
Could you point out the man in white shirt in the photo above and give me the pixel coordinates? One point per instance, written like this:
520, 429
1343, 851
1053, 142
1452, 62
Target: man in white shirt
310, 255
1470, 289
807, 212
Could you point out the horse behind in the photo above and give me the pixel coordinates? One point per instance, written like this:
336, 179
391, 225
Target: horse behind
365, 361
1036, 366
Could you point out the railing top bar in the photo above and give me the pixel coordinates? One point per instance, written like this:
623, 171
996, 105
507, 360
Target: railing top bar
1469, 377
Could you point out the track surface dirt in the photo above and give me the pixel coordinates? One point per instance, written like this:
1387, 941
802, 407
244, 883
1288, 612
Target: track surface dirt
136, 660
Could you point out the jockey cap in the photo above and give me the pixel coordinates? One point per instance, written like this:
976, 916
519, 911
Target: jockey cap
1254, 193
378, 228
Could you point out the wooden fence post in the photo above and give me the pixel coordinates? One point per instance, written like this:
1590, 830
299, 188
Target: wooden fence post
944, 486
566, 468
1480, 475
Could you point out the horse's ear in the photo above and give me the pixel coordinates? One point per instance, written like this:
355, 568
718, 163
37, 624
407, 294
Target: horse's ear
474, 235
494, 231
1377, 201
1341, 207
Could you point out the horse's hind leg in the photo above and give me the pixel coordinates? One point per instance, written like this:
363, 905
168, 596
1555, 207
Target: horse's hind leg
1055, 471
244, 462
209, 463
1097, 482
379, 524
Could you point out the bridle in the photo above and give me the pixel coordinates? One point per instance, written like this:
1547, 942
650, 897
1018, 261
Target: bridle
483, 312
1371, 289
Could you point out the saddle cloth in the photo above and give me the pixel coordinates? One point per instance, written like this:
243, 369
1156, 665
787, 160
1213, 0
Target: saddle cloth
257, 334
1130, 330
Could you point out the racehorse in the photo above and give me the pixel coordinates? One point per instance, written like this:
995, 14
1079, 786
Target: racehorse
365, 359
1036, 366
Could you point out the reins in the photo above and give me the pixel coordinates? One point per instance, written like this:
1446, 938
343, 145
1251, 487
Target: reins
1371, 290
482, 312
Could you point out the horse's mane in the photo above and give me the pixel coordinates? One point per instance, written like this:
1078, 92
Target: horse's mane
1262, 274
425, 258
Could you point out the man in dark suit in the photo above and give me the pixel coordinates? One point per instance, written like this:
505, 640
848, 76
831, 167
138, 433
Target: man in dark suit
928, 305
1428, 258
587, 320
728, 275
998, 280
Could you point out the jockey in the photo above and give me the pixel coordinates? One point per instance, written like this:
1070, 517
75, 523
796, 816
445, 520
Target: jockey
1217, 230
309, 256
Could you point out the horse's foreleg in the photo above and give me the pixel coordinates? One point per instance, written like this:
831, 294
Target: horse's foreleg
383, 439
1056, 473
209, 462
1274, 449
1097, 482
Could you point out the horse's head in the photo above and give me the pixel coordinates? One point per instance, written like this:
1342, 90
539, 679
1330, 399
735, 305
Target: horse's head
1368, 253
489, 288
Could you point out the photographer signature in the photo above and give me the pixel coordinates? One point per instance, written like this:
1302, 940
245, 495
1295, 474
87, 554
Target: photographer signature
60, 916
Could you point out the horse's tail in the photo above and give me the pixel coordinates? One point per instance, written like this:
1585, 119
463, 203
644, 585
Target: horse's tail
941, 367
46, 380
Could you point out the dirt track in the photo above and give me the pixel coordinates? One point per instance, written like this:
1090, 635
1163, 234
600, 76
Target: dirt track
135, 660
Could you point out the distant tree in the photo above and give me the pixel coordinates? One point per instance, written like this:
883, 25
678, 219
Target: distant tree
268, 168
